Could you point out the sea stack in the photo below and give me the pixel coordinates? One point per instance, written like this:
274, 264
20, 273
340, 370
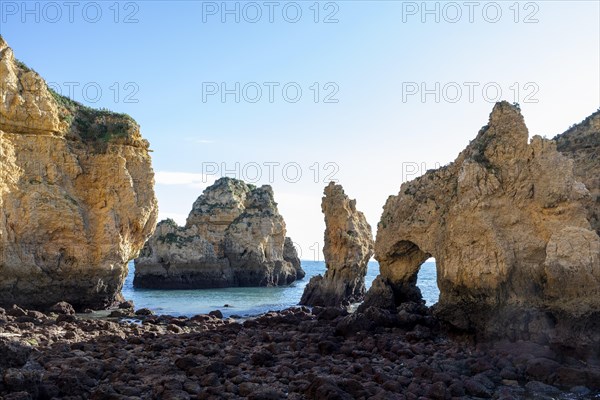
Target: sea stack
348, 248
508, 223
234, 236
76, 195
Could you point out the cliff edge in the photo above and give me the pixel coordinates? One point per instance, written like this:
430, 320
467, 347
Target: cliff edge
76, 195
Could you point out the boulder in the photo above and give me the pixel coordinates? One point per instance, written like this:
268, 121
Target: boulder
62, 308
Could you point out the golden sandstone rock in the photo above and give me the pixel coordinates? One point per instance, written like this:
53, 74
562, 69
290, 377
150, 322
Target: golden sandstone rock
76, 195
234, 236
508, 225
348, 248
582, 143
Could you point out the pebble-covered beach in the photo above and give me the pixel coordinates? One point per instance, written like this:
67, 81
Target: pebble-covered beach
297, 353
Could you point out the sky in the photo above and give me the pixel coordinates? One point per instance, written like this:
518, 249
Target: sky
295, 94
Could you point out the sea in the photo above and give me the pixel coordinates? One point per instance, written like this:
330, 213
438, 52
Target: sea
248, 302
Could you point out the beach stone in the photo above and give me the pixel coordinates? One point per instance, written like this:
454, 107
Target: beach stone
580, 391
477, 389
120, 313
266, 394
437, 391
144, 312
62, 308
541, 368
16, 311
127, 305
541, 388
323, 388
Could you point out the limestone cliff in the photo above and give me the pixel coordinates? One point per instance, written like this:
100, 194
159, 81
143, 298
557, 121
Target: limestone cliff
348, 248
581, 142
76, 194
234, 236
508, 227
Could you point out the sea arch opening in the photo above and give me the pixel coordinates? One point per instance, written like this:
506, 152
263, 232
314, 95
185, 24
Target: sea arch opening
412, 273
427, 282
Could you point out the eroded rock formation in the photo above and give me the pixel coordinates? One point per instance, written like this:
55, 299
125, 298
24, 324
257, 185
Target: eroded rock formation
348, 248
582, 143
508, 226
76, 194
234, 236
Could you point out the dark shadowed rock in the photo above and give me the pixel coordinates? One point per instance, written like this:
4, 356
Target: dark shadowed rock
62, 308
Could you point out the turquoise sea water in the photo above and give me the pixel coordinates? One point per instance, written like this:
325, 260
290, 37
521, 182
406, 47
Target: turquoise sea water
251, 301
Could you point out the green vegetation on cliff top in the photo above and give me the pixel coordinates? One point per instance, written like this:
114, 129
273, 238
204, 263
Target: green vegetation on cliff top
91, 125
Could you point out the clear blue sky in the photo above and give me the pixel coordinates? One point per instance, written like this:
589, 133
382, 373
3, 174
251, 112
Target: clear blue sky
167, 56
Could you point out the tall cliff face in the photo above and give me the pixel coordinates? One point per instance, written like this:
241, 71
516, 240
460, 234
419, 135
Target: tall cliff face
348, 248
234, 236
508, 227
76, 195
582, 144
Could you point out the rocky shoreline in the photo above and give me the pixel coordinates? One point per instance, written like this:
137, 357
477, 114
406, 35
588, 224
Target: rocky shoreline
298, 353
513, 223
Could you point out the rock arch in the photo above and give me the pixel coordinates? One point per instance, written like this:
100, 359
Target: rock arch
400, 269
498, 220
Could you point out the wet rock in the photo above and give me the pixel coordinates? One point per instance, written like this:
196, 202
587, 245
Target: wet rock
16, 311
62, 308
262, 358
475, 388
352, 324
127, 305
323, 388
186, 363
437, 391
329, 313
291, 353
541, 368
12, 353
541, 388
121, 313
144, 312
266, 394
581, 391
66, 318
